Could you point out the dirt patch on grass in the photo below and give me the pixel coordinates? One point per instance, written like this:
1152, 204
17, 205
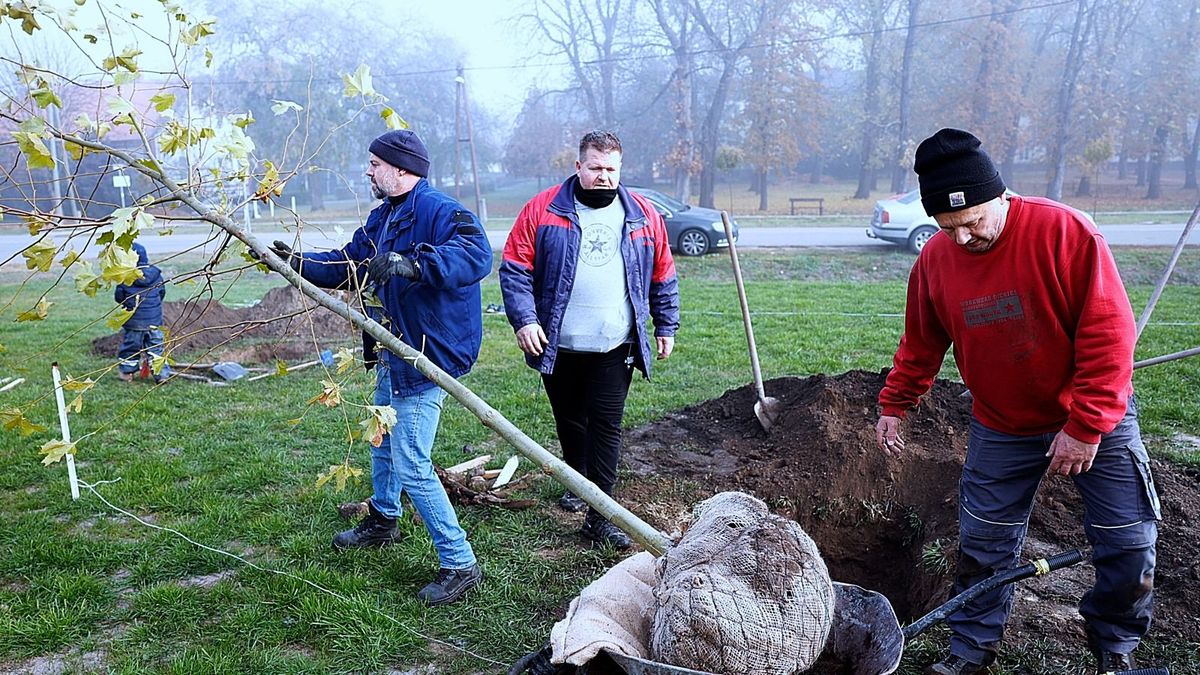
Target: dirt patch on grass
278, 327
891, 525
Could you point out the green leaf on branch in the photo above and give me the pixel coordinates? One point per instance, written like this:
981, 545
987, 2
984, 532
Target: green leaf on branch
118, 318
87, 282
197, 32
381, 421
77, 151
126, 59
129, 220
38, 312
392, 119
12, 419
40, 256
359, 83
157, 363
36, 224
55, 450
44, 96
208, 58
280, 367
243, 121
121, 110
37, 156
162, 101
176, 137
280, 107
70, 258
345, 360
340, 474
119, 265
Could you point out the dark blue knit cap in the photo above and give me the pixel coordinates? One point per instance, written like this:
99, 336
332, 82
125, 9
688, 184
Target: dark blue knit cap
403, 150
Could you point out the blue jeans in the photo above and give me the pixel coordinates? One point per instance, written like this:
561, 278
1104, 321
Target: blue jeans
1121, 511
402, 462
137, 342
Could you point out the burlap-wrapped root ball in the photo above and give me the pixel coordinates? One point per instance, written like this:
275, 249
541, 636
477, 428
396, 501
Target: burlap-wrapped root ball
744, 591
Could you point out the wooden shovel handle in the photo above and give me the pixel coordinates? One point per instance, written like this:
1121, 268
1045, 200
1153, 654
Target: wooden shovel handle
741, 289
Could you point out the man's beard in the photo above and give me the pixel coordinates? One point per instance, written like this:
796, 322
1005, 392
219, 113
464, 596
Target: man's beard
377, 191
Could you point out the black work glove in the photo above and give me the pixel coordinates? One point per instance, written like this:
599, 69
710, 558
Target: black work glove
283, 251
384, 267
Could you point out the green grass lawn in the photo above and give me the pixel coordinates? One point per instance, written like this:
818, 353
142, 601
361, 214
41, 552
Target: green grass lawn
226, 468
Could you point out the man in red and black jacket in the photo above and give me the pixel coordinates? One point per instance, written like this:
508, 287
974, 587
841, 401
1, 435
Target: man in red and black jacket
586, 266
1027, 292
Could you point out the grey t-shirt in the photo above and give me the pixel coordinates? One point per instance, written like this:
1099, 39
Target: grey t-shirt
599, 316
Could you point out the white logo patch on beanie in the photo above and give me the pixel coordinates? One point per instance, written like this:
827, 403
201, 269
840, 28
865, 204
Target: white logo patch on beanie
957, 199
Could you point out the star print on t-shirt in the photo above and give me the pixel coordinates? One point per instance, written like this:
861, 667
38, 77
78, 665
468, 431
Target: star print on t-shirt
599, 244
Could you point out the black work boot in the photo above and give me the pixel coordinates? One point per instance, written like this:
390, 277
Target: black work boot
373, 531
957, 665
1112, 662
450, 585
602, 532
571, 503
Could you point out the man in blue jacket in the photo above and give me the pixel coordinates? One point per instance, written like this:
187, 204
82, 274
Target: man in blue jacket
423, 255
141, 335
586, 266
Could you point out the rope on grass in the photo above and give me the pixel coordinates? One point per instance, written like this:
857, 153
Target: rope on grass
332, 593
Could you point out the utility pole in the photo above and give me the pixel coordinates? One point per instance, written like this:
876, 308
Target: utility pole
462, 121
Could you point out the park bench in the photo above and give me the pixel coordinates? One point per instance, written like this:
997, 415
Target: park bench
810, 203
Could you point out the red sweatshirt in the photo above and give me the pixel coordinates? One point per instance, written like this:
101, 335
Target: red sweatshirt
1042, 330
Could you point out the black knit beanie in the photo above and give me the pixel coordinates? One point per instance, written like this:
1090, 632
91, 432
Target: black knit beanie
954, 173
403, 150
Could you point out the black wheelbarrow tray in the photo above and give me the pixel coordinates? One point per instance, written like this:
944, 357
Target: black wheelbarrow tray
866, 638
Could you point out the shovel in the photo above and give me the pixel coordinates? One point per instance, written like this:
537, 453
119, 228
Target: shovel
766, 408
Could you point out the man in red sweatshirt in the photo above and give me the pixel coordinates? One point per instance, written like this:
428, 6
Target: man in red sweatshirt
1027, 292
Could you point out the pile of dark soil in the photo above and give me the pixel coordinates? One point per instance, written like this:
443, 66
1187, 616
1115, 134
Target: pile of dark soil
284, 325
891, 524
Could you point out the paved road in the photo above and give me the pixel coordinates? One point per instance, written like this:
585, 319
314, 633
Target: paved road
751, 237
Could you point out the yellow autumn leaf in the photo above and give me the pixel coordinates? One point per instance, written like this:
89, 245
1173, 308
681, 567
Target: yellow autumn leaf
126, 59
37, 313
280, 367
359, 83
119, 265
71, 384
270, 183
77, 151
12, 419
339, 473
392, 119
345, 360
76, 404
382, 419
330, 396
119, 318
37, 156
40, 255
44, 96
162, 101
55, 450
35, 224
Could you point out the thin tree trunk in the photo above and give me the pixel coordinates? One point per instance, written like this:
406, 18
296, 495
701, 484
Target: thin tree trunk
900, 169
1189, 159
1158, 152
710, 132
762, 189
1066, 98
1141, 171
866, 175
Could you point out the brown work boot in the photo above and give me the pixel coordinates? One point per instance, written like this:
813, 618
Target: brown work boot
957, 665
1112, 662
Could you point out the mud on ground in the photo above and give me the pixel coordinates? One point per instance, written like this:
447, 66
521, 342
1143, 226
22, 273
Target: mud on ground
891, 525
209, 331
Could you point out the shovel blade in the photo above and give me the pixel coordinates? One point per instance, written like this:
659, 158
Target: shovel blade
767, 411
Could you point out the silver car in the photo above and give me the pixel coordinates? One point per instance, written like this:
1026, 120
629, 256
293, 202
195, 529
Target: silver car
902, 220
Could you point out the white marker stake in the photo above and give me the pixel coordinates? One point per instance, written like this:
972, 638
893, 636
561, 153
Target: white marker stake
66, 429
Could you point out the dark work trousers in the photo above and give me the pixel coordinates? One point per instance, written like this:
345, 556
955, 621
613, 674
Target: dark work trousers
587, 392
1121, 512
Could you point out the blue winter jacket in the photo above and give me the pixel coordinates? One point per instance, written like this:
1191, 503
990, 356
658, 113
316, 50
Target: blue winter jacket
542, 252
144, 296
437, 314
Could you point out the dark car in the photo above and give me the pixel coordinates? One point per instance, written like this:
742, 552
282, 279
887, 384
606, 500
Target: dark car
694, 230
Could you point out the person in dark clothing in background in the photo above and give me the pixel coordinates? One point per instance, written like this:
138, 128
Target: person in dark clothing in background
586, 266
141, 335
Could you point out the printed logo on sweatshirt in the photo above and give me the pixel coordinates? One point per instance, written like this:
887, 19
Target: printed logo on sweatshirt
992, 309
598, 244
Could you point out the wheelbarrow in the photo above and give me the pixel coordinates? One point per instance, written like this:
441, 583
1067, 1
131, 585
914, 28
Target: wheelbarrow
866, 637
